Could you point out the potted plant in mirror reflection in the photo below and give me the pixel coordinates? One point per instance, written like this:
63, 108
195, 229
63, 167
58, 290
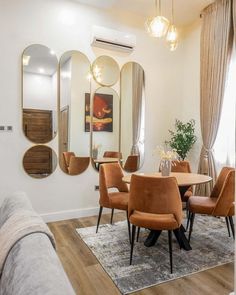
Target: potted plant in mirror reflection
166, 157
183, 138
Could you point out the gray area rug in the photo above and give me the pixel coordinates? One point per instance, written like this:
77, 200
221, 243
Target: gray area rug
210, 243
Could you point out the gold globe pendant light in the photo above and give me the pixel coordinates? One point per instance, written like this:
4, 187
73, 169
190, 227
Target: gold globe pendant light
157, 26
172, 34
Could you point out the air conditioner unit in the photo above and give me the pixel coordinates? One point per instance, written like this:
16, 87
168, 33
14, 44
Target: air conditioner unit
112, 39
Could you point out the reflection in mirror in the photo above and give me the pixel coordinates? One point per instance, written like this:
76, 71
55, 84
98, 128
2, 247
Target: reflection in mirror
105, 121
39, 65
132, 116
105, 70
40, 161
74, 141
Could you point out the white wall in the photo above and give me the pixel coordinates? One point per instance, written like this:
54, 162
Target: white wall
40, 21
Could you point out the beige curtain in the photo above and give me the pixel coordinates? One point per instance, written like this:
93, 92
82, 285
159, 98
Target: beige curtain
216, 48
137, 104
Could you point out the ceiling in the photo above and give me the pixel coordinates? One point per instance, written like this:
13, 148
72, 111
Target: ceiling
185, 11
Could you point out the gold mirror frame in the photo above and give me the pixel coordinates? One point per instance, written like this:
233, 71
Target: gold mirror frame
41, 114
70, 160
36, 169
99, 70
134, 152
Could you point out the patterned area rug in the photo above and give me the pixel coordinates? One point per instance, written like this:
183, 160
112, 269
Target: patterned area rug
210, 243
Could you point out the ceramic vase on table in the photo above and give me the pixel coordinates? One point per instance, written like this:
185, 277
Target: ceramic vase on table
165, 167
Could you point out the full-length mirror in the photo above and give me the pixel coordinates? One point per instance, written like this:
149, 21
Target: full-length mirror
39, 99
40, 161
105, 70
74, 139
105, 122
132, 116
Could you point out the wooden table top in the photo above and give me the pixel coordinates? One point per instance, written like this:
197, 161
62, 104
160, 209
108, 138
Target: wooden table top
106, 160
183, 179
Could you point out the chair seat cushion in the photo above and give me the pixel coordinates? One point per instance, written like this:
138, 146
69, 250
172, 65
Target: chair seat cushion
119, 200
202, 205
154, 221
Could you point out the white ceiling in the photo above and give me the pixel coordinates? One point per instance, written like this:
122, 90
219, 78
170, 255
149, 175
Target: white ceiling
185, 11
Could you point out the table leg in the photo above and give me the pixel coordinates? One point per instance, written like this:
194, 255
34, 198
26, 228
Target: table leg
179, 234
152, 238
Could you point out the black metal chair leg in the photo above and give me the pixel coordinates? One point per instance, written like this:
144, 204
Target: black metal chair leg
170, 249
188, 215
128, 223
132, 243
227, 223
192, 215
99, 217
231, 224
138, 234
112, 212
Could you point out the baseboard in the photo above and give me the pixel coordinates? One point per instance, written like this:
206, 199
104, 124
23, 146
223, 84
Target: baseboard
70, 214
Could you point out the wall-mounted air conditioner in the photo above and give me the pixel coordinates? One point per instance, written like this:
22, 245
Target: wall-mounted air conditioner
112, 39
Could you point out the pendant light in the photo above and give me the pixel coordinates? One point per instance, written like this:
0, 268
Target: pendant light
157, 26
172, 34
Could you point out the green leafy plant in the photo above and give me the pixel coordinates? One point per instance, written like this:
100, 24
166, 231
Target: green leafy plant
183, 138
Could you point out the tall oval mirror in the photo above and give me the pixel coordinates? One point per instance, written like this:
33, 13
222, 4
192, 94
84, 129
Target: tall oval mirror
40, 161
106, 129
132, 116
74, 140
105, 70
39, 89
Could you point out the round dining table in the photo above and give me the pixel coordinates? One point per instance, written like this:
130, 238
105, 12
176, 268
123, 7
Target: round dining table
183, 180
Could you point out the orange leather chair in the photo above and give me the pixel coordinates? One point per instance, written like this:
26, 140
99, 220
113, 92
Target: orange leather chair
111, 154
66, 157
155, 204
221, 201
110, 176
78, 165
132, 163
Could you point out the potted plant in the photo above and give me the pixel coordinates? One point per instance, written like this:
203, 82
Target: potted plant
182, 138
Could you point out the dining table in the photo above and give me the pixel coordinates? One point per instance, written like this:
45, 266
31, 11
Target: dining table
183, 180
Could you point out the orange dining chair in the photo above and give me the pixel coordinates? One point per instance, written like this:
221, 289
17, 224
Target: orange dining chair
220, 203
185, 191
66, 157
111, 154
78, 165
154, 204
110, 176
132, 163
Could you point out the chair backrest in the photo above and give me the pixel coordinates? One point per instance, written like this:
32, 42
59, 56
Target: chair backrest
78, 165
157, 195
66, 156
110, 176
180, 166
112, 154
220, 181
226, 197
132, 163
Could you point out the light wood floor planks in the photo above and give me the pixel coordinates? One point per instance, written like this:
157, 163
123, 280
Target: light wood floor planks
88, 277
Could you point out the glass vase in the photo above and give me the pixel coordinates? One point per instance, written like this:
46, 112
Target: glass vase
165, 168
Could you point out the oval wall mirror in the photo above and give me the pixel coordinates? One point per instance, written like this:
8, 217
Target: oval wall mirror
105, 70
39, 93
74, 139
132, 116
106, 127
40, 161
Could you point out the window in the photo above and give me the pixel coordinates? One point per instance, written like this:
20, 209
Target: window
224, 148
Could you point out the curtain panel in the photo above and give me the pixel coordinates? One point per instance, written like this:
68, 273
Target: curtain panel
215, 53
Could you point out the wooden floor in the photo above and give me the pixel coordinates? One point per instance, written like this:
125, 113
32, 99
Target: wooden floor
88, 277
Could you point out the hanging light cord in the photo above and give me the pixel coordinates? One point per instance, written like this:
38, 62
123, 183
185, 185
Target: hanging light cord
172, 12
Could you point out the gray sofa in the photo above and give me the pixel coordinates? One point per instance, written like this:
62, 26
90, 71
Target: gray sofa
32, 266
